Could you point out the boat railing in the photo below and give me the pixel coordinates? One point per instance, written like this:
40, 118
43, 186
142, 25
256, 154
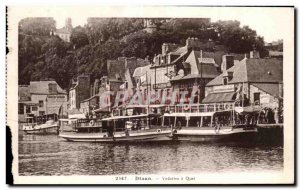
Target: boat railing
200, 107
89, 123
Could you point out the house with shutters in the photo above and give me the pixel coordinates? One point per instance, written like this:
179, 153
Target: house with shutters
189, 67
252, 80
41, 98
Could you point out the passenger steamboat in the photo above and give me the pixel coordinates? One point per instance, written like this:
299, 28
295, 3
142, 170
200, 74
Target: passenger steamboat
130, 124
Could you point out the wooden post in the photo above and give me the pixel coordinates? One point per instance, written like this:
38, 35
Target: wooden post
211, 121
187, 122
201, 122
163, 121
175, 121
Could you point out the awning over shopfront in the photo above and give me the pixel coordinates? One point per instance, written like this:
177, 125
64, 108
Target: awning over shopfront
219, 97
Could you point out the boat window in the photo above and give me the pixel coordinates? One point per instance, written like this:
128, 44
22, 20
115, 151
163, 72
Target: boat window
27, 109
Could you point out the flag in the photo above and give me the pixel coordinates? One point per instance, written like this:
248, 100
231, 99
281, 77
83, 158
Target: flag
124, 85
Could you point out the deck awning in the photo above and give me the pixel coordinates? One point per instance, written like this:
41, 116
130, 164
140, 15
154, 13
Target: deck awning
219, 97
102, 110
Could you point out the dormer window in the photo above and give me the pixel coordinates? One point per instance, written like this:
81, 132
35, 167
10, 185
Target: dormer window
187, 68
187, 71
225, 81
230, 75
52, 88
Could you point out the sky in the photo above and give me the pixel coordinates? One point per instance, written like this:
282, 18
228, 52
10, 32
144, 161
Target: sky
267, 22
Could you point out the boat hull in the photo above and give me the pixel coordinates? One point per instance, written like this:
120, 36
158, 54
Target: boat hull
46, 130
212, 135
101, 137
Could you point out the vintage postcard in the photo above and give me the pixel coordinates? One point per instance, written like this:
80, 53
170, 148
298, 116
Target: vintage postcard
151, 95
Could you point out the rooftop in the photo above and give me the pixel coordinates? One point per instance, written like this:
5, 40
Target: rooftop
270, 71
41, 87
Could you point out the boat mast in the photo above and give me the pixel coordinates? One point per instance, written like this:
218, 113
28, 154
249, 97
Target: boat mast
148, 122
200, 77
243, 95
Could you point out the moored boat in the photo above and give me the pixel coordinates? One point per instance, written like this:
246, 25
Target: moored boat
32, 127
209, 122
136, 127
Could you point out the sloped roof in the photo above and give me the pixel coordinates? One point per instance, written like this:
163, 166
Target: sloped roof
41, 87
217, 56
272, 89
270, 70
180, 50
140, 71
253, 70
207, 68
180, 57
118, 67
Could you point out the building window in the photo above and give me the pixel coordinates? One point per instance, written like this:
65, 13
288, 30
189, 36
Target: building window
41, 113
21, 108
225, 81
256, 98
34, 108
27, 109
41, 103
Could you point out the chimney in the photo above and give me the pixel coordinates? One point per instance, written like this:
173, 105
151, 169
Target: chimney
227, 62
96, 86
192, 43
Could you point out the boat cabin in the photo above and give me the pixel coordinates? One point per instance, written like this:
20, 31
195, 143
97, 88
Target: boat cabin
206, 115
80, 125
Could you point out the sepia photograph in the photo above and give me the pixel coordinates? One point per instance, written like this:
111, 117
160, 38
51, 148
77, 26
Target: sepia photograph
151, 95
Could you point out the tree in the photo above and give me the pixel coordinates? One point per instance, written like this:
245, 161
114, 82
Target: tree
37, 26
79, 37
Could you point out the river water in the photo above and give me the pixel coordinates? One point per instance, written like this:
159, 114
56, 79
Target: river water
51, 155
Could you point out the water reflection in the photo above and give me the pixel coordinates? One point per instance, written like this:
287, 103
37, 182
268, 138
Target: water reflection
51, 155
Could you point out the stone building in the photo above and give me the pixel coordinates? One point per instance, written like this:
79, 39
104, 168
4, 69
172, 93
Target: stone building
65, 32
172, 68
255, 81
120, 77
90, 104
80, 90
40, 98
197, 71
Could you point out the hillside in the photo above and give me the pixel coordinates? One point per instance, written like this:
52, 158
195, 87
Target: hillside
42, 56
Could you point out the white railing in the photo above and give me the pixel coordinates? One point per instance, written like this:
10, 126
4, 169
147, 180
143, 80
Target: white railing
200, 107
